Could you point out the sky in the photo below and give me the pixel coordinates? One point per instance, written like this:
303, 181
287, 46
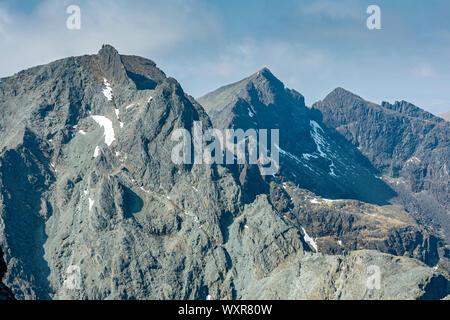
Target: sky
313, 46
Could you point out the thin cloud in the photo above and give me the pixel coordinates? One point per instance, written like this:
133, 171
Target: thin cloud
424, 71
142, 28
335, 10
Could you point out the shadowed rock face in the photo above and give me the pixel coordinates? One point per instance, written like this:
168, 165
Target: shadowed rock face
5, 293
411, 148
94, 208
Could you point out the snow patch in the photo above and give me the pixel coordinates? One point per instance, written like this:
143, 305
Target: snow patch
307, 156
149, 99
91, 203
310, 240
146, 191
121, 124
332, 167
96, 151
117, 112
413, 160
318, 138
82, 132
250, 113
107, 92
107, 126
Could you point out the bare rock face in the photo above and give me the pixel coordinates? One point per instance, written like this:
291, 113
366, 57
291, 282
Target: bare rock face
92, 206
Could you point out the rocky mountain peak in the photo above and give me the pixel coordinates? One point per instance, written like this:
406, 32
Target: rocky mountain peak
110, 62
341, 96
408, 109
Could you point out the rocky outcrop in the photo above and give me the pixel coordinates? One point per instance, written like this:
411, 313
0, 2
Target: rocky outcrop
353, 276
340, 226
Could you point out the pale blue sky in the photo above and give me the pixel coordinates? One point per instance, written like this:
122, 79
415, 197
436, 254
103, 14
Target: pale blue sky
312, 46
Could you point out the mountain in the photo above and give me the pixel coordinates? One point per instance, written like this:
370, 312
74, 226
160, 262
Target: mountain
93, 207
312, 156
409, 146
445, 116
324, 181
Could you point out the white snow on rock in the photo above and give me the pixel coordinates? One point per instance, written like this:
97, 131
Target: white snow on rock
208, 297
130, 106
290, 155
82, 132
340, 242
107, 92
108, 126
414, 160
96, 151
121, 124
307, 156
53, 166
310, 240
149, 99
250, 113
314, 200
146, 191
318, 139
117, 112
91, 203
332, 167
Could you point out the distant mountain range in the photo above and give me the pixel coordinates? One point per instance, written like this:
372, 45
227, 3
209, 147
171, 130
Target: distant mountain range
93, 207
